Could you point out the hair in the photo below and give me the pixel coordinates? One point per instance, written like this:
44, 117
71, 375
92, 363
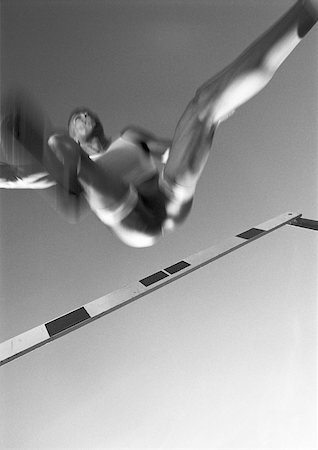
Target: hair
98, 130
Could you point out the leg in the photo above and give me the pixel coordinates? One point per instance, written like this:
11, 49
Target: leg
254, 68
144, 226
222, 94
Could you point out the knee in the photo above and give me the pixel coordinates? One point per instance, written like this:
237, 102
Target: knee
179, 216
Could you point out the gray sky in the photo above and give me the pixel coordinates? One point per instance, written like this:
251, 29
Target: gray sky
224, 358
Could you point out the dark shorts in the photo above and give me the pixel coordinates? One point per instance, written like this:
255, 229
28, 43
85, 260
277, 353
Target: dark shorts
150, 213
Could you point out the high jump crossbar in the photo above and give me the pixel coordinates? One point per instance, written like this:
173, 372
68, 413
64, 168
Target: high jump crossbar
23, 343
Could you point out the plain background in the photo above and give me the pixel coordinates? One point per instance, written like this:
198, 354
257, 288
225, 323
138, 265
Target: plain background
224, 358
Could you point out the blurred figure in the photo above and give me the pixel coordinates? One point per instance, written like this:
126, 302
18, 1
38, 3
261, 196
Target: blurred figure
122, 180
26, 160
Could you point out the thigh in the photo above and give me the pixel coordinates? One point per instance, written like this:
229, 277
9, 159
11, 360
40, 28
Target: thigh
149, 219
153, 212
143, 226
153, 198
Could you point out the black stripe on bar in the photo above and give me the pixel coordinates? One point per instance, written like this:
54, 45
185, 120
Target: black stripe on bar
67, 321
249, 234
153, 278
305, 223
177, 267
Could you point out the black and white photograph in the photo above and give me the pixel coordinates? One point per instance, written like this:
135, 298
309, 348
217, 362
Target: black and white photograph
158, 224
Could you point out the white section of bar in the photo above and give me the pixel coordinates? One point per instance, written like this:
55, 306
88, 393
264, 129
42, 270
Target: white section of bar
115, 299
25, 342
277, 222
217, 251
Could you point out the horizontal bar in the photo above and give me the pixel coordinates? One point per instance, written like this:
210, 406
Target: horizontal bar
38, 336
305, 223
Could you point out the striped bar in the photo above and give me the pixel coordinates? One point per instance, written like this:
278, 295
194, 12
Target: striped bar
36, 337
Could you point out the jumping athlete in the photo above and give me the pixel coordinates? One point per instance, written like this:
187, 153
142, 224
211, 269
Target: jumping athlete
122, 180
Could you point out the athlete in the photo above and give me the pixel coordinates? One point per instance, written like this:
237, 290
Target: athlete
122, 180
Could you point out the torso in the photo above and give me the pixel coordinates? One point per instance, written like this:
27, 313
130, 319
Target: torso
128, 160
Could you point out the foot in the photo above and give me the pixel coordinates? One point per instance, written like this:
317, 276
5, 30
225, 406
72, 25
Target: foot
312, 7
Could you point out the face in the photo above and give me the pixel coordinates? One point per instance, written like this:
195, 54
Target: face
81, 125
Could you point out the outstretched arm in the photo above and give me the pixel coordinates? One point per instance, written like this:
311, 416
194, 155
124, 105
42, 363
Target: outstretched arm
7, 173
156, 146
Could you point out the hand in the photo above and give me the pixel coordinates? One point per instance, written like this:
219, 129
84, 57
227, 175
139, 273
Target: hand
8, 173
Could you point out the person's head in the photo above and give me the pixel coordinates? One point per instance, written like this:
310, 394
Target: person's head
84, 125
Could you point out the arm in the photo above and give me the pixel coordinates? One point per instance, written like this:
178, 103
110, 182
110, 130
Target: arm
7, 173
156, 146
71, 207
